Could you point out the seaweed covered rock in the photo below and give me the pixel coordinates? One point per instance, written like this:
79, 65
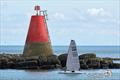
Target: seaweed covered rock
33, 64
42, 62
87, 61
115, 65
53, 60
63, 59
105, 63
90, 61
3, 63
96, 63
93, 63
87, 56
83, 64
36, 62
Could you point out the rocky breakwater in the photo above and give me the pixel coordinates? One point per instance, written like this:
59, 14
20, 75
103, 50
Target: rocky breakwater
87, 61
90, 61
17, 61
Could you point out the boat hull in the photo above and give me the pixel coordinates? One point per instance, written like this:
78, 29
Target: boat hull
70, 72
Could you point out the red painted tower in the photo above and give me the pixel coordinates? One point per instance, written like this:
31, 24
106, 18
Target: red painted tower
38, 40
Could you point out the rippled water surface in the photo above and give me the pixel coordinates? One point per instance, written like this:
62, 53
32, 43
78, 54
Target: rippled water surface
55, 75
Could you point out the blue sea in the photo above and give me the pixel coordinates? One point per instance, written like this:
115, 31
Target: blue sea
100, 51
97, 74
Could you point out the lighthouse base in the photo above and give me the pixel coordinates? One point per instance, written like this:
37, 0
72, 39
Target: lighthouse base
38, 49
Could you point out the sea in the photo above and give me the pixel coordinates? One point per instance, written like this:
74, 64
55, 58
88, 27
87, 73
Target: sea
96, 74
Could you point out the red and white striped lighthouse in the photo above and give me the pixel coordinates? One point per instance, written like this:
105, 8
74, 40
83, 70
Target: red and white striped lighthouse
38, 40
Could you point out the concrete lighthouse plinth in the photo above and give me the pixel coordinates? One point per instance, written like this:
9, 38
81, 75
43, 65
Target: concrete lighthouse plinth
38, 41
38, 49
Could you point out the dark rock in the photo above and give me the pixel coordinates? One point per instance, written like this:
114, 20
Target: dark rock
83, 64
93, 63
87, 56
13, 61
27, 64
63, 59
42, 60
90, 61
87, 61
11, 65
3, 63
53, 60
115, 65
105, 63
47, 67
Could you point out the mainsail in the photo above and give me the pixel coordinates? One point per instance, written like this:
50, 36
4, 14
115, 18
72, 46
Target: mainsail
72, 58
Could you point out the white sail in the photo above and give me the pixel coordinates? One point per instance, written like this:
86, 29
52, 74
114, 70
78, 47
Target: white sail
72, 58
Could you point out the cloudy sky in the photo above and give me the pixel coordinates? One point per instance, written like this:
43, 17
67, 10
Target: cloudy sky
89, 22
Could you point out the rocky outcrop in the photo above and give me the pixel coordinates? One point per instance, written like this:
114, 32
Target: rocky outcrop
87, 61
19, 62
63, 59
87, 56
90, 61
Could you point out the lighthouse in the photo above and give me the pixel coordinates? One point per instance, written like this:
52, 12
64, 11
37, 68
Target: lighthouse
38, 41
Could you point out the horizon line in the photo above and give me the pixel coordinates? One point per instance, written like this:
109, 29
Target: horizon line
65, 45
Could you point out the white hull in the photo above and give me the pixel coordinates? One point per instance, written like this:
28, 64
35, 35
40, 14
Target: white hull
70, 72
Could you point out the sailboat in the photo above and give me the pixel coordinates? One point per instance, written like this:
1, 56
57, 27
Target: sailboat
72, 64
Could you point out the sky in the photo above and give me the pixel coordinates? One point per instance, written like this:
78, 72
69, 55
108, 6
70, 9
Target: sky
88, 22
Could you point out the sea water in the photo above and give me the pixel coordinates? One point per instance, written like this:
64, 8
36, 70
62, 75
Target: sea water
96, 74
100, 51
